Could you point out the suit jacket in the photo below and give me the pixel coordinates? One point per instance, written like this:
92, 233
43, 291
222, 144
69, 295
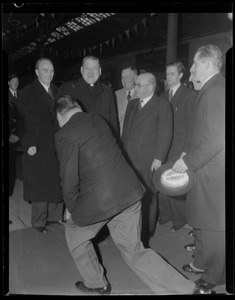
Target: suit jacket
206, 156
99, 98
96, 180
122, 102
37, 125
147, 134
182, 104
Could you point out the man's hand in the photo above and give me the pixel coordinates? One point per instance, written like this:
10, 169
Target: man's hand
32, 150
13, 138
155, 164
180, 166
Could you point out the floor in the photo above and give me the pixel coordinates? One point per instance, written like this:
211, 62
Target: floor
42, 265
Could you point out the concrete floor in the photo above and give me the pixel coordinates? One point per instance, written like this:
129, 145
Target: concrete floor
168, 244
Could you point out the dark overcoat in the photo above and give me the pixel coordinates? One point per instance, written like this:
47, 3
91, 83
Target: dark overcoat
37, 125
147, 134
182, 104
96, 180
99, 98
206, 156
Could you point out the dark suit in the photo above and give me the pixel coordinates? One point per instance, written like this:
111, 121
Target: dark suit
99, 98
99, 188
12, 130
205, 209
183, 101
147, 135
37, 125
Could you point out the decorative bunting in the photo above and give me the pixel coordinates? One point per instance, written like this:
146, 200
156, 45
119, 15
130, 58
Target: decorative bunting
107, 43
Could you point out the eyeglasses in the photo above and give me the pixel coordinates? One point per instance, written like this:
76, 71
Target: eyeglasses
138, 85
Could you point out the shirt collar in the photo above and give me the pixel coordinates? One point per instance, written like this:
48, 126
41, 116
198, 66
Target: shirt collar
145, 100
175, 88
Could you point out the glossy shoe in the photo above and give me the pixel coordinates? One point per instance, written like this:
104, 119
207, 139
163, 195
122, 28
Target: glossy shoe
201, 290
192, 270
59, 222
175, 228
190, 247
103, 290
41, 229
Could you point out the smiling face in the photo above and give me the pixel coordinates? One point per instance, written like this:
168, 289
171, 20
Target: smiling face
91, 70
45, 71
128, 79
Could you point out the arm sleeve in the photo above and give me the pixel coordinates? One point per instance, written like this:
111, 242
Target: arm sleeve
68, 155
25, 122
113, 114
164, 131
212, 139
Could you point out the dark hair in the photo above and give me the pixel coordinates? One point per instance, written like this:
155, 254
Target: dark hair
65, 103
178, 64
12, 75
129, 66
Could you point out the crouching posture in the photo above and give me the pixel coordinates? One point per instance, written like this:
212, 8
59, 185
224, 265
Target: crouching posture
99, 188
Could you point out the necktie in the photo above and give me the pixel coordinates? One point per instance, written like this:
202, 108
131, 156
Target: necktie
15, 95
170, 94
50, 93
140, 104
129, 96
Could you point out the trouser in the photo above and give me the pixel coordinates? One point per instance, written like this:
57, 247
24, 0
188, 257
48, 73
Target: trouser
46, 211
125, 229
209, 255
172, 208
12, 171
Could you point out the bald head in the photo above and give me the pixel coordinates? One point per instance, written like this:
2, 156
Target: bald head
145, 85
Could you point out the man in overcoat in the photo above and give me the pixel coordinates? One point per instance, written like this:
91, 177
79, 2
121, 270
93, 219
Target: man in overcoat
37, 125
99, 187
182, 101
92, 94
127, 93
205, 155
146, 138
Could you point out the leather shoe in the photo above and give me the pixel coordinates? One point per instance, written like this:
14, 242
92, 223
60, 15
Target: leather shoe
202, 290
41, 229
103, 290
176, 228
190, 247
188, 268
205, 284
59, 222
